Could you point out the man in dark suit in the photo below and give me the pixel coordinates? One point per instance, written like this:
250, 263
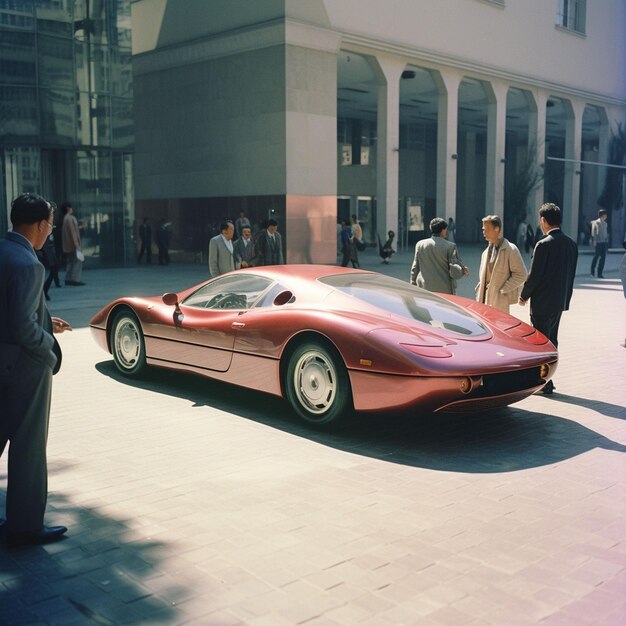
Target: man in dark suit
269, 245
145, 236
550, 283
29, 355
244, 251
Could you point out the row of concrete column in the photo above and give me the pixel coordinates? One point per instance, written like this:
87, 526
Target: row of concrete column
389, 71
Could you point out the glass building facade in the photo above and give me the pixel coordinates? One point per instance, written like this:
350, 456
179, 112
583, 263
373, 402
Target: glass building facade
66, 116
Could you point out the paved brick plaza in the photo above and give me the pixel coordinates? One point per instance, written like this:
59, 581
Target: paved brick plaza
192, 502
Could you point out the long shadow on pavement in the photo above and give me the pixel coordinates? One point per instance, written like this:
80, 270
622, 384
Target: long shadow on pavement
504, 440
98, 574
605, 408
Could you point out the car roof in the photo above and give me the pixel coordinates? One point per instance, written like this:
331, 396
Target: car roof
305, 272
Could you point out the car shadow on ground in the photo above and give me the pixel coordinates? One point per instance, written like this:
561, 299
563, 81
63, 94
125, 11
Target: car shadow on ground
503, 440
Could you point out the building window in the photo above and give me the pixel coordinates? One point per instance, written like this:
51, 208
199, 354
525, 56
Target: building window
571, 15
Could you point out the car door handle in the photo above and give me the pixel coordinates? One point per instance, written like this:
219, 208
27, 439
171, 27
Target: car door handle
238, 324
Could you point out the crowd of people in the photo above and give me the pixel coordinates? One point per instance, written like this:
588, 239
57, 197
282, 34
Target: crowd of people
235, 247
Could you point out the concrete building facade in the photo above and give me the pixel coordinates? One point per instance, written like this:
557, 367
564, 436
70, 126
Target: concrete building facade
313, 110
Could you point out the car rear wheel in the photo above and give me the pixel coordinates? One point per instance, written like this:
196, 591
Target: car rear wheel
317, 384
127, 344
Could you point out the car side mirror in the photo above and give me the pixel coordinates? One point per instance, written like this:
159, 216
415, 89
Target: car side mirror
171, 299
283, 297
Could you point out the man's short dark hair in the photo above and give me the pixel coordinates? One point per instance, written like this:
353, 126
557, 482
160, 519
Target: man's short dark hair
64, 207
601, 212
551, 213
494, 220
225, 225
30, 208
272, 222
437, 224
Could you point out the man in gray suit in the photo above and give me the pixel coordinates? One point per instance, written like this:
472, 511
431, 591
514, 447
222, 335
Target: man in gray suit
436, 265
29, 355
221, 250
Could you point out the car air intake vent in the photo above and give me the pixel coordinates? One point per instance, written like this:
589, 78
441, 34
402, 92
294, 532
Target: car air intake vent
509, 382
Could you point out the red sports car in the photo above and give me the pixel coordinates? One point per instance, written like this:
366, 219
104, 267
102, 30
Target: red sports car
332, 341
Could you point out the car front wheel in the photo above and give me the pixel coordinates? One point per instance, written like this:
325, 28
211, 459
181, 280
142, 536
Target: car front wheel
127, 344
317, 384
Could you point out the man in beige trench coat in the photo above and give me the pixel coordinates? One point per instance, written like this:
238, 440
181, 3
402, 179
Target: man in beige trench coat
502, 270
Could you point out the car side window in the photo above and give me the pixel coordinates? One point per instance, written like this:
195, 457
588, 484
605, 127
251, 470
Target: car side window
229, 292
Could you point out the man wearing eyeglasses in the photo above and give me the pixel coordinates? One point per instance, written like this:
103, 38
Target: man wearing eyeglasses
29, 355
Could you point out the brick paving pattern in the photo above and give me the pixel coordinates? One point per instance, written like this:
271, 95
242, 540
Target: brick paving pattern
194, 502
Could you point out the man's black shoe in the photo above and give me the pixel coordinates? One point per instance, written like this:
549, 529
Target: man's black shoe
74, 283
47, 534
600, 276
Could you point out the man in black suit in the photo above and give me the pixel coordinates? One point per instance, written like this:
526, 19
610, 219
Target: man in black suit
550, 283
269, 245
29, 355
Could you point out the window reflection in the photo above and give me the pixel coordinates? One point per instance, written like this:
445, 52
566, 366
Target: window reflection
54, 17
121, 22
55, 62
18, 113
93, 124
17, 14
90, 20
57, 115
121, 73
92, 67
122, 123
17, 58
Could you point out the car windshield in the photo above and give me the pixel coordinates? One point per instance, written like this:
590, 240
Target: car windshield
399, 298
238, 291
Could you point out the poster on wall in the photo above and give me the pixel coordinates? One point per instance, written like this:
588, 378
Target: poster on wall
415, 216
346, 154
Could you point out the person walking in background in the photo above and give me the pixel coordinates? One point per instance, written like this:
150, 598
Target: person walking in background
50, 262
550, 284
29, 356
520, 237
346, 246
71, 246
502, 270
386, 250
451, 230
244, 250
221, 250
240, 223
437, 265
356, 241
163, 241
269, 245
600, 242
145, 236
